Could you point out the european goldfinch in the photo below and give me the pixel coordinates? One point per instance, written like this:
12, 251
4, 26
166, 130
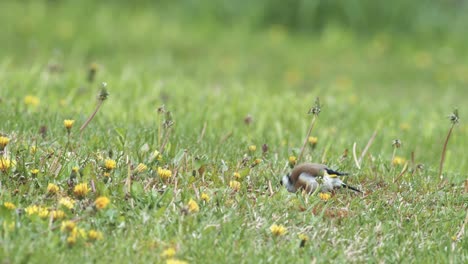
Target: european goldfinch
310, 176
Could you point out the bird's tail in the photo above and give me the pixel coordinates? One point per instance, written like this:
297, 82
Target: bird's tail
337, 173
351, 188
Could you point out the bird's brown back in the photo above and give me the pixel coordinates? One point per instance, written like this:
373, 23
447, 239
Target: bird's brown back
312, 169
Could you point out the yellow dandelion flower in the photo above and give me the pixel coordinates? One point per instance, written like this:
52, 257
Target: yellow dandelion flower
205, 197
76, 169
32, 209
398, 160
52, 188
3, 142
303, 237
43, 212
71, 240
78, 232
175, 261
101, 202
292, 160
257, 161
68, 226
9, 206
155, 155
193, 206
94, 235
237, 175
67, 202
313, 140
141, 168
34, 172
235, 185
168, 253
278, 230
82, 233
164, 173
5, 164
68, 123
57, 214
31, 100
110, 164
324, 196
81, 190
252, 148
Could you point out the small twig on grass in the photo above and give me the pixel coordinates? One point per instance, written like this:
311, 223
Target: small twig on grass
454, 119
101, 98
270, 188
315, 111
355, 156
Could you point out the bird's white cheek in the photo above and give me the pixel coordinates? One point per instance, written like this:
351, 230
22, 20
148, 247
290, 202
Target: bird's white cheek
287, 184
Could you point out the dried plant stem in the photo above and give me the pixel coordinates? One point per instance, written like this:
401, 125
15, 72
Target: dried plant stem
393, 156
270, 188
202, 133
312, 123
355, 156
128, 181
405, 168
91, 116
442, 158
369, 143
166, 138
159, 129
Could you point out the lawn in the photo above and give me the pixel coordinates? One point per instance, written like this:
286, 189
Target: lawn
183, 158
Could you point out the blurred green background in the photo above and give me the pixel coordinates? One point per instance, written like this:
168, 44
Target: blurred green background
401, 65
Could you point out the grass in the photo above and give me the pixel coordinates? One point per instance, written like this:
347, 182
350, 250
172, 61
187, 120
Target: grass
210, 79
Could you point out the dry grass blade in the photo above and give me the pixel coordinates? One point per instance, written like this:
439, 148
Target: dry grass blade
355, 156
369, 144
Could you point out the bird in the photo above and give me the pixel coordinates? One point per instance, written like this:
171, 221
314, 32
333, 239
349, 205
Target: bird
311, 176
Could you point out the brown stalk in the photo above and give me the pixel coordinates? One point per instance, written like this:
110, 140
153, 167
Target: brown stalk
102, 97
369, 143
315, 111
306, 138
442, 158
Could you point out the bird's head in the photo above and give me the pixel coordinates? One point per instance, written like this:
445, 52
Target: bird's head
285, 180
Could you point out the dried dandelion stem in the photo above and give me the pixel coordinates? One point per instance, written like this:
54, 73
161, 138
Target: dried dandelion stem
393, 156
369, 143
102, 97
306, 138
355, 156
454, 120
91, 116
442, 158
315, 111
